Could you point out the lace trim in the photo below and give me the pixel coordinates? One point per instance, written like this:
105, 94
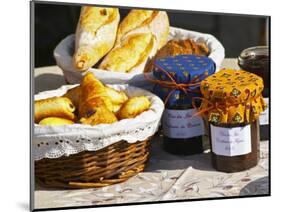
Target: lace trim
58, 141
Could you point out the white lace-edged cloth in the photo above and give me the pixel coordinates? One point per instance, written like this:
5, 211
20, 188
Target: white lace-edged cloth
57, 141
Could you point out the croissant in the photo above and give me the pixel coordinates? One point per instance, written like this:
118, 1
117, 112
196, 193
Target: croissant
95, 107
133, 107
55, 121
54, 107
131, 53
89, 107
74, 95
95, 35
100, 115
92, 88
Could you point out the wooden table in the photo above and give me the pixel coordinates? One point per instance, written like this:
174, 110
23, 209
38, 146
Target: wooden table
167, 177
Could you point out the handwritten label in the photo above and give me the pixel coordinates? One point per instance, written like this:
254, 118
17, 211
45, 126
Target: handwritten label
231, 141
264, 115
181, 124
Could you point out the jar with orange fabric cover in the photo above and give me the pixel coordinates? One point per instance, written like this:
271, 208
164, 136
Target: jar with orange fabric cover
232, 102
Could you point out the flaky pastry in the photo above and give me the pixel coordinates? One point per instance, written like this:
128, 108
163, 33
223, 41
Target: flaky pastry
133, 107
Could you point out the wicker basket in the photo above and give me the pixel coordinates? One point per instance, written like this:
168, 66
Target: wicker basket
112, 164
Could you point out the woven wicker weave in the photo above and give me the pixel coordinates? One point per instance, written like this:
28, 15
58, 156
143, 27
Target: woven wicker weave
113, 164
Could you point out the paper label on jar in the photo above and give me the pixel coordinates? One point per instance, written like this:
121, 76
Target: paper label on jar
264, 115
231, 141
181, 124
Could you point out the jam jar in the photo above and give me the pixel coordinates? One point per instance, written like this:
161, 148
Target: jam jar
230, 157
178, 81
182, 133
232, 102
256, 60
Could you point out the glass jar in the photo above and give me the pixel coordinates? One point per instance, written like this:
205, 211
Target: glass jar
177, 82
182, 133
234, 147
256, 60
232, 102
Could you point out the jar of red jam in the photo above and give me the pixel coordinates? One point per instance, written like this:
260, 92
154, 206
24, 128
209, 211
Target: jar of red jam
232, 102
256, 60
178, 81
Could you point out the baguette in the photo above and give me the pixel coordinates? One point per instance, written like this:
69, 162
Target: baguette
131, 54
95, 35
156, 22
139, 36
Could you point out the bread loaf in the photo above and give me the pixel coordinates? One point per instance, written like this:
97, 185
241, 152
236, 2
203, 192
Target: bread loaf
131, 54
139, 36
95, 35
177, 47
156, 22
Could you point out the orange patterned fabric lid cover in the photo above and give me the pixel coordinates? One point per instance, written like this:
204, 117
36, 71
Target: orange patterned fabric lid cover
232, 96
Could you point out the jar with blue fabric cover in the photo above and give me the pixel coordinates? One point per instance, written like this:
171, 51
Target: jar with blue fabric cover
177, 81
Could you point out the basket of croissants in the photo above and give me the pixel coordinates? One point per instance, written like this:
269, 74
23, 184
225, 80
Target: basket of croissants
92, 134
121, 51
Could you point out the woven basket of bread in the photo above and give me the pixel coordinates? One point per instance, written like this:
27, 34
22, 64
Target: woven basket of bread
92, 135
120, 51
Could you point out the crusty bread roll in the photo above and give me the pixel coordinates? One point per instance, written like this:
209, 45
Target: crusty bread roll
60, 107
177, 47
131, 54
133, 107
156, 22
139, 36
95, 35
55, 121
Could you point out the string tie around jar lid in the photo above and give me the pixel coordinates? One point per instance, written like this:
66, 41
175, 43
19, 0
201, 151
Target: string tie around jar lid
218, 106
250, 109
173, 85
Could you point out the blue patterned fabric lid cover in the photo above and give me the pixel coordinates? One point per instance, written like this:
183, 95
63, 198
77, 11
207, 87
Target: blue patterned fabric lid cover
184, 69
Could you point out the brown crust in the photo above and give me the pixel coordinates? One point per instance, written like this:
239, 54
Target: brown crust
60, 107
133, 107
74, 95
173, 48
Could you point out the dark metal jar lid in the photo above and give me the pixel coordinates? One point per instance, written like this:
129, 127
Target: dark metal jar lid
254, 56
